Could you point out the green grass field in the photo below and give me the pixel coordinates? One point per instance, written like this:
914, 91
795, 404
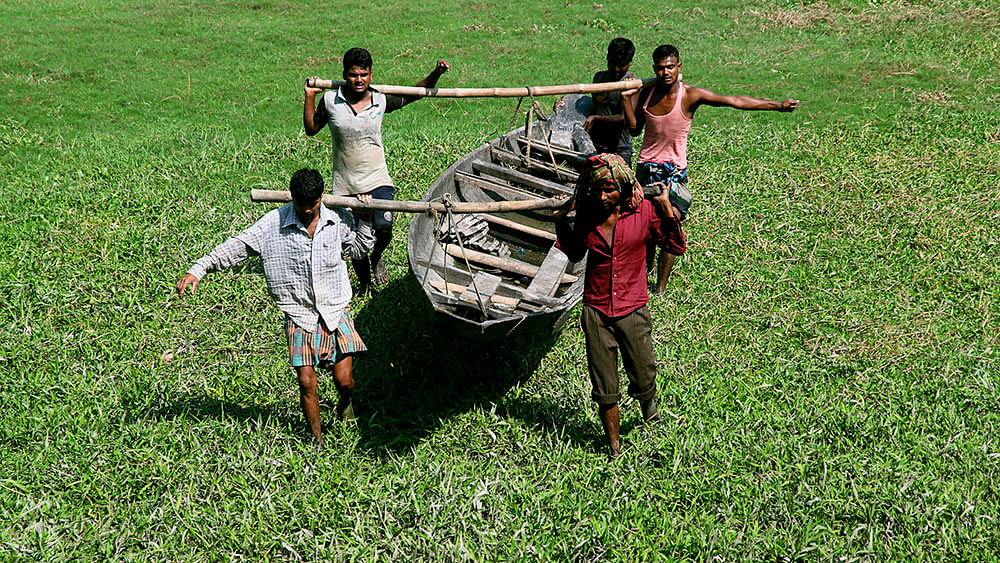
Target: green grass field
828, 345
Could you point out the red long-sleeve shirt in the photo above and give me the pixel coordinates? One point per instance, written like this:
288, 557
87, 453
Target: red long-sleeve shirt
615, 282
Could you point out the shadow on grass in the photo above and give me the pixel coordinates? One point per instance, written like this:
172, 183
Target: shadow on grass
546, 416
415, 375
201, 407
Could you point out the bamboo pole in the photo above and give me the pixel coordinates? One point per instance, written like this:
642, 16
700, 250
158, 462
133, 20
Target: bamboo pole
494, 92
407, 206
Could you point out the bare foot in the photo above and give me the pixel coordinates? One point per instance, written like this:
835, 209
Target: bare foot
381, 274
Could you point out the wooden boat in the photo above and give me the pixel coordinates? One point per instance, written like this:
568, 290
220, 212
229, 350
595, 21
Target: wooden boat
491, 276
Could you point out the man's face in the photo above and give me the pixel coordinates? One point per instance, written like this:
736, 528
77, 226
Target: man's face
358, 79
307, 211
618, 70
667, 70
608, 194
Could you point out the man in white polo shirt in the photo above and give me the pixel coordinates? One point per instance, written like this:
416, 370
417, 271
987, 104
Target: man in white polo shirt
354, 113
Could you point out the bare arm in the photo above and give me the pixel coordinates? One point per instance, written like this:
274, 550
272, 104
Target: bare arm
634, 119
700, 96
617, 119
431, 79
309, 109
663, 200
588, 124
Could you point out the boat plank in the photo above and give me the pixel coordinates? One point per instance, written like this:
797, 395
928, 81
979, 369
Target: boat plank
521, 178
569, 155
519, 227
482, 287
502, 190
519, 293
505, 264
546, 281
535, 166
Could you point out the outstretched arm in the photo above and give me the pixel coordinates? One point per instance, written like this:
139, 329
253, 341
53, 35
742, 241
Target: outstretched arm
226, 255
702, 96
309, 109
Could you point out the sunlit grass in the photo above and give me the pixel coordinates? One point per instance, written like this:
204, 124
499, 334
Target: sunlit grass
828, 345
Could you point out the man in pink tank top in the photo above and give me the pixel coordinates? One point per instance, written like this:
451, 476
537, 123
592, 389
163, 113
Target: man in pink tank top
666, 110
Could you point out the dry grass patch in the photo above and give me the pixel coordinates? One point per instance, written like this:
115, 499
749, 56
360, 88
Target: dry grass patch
481, 27
894, 12
938, 97
803, 17
982, 16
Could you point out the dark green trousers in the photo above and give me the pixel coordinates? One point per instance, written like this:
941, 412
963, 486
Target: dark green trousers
633, 335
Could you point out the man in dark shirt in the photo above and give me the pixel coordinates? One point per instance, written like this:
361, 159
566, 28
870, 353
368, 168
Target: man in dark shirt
606, 123
615, 226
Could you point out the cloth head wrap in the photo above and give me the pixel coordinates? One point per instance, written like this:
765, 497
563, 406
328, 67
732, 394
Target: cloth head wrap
607, 165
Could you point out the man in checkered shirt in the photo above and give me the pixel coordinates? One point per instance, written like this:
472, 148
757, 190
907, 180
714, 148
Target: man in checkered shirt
302, 245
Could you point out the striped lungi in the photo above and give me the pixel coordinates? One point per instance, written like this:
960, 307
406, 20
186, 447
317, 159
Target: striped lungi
321, 348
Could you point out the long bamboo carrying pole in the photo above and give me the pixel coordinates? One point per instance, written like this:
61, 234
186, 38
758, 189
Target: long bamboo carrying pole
417, 206
494, 92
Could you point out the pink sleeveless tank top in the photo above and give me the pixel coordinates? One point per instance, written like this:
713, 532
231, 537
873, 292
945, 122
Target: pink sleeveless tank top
666, 135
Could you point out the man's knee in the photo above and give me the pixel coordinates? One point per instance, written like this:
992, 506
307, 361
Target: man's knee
343, 373
306, 376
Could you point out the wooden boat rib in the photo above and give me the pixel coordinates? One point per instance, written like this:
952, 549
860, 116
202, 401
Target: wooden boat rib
487, 277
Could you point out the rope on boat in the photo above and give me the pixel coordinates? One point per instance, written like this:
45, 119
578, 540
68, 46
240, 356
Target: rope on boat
461, 244
538, 112
437, 236
445, 199
537, 109
513, 117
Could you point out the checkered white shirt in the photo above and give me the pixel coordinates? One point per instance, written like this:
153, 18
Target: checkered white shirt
306, 277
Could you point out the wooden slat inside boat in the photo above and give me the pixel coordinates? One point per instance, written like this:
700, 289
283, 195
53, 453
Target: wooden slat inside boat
493, 276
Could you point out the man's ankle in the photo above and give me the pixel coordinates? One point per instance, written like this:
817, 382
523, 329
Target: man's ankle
345, 409
650, 412
614, 447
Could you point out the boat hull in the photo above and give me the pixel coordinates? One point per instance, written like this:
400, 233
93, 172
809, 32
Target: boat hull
516, 309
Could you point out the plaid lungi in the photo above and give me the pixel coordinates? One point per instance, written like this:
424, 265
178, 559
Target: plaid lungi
322, 347
675, 178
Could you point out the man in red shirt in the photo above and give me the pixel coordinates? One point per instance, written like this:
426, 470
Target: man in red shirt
615, 226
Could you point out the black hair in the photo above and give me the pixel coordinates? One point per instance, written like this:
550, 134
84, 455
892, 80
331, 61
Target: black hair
306, 185
665, 51
356, 56
620, 51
